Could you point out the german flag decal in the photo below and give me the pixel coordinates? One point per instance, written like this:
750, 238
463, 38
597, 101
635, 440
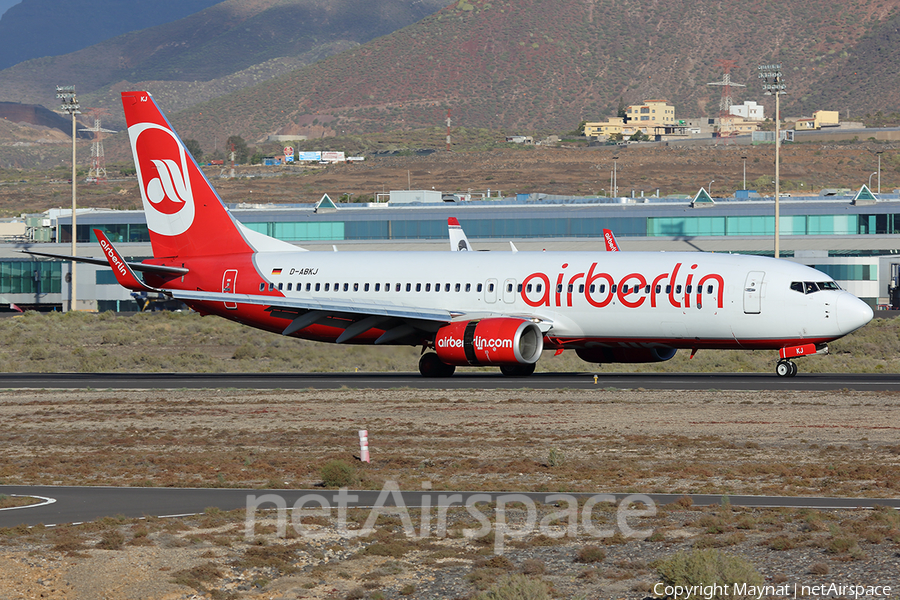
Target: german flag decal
276, 271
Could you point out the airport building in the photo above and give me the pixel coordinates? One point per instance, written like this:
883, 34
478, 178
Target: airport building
855, 240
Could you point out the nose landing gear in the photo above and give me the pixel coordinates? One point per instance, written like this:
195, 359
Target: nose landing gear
786, 368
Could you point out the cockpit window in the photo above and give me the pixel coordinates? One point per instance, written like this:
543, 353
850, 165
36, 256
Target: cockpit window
811, 287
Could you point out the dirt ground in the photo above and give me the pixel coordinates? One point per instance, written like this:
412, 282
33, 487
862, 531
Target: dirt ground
805, 169
605, 440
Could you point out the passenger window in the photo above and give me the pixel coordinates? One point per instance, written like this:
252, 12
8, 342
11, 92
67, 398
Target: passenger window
709, 289
280, 286
427, 287
602, 288
366, 287
468, 287
326, 286
377, 287
447, 287
262, 287
668, 289
347, 286
658, 288
418, 287
571, 288
397, 288
308, 285
509, 287
581, 289
437, 287
625, 289
519, 288
408, 287
479, 288
538, 288
317, 286
457, 287
271, 286
613, 288
490, 287
678, 289
688, 289
592, 288
647, 290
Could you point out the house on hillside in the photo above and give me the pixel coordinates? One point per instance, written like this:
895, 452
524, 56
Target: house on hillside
638, 117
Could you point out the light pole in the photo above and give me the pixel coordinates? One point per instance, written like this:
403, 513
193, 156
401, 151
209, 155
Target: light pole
773, 83
879, 153
744, 158
70, 105
709, 189
615, 176
870, 179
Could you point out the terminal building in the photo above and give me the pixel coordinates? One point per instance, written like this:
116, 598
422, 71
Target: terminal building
853, 238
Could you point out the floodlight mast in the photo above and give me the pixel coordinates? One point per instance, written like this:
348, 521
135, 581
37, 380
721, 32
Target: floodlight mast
70, 105
773, 83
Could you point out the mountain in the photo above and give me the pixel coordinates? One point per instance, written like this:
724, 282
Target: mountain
530, 65
6, 4
228, 46
36, 28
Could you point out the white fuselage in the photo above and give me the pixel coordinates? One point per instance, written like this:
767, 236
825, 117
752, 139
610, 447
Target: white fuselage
589, 297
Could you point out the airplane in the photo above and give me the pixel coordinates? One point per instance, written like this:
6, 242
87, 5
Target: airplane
465, 308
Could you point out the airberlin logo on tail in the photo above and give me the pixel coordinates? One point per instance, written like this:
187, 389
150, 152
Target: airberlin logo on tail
680, 288
162, 166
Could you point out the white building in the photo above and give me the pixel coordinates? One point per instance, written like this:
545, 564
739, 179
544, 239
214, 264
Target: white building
749, 110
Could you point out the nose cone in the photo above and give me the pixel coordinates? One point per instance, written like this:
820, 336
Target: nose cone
852, 313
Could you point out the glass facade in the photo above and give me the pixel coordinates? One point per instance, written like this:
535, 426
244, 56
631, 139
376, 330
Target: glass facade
535, 225
850, 272
30, 277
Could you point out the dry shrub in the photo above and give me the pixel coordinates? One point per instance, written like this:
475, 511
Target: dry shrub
708, 567
516, 587
590, 554
819, 568
112, 539
337, 474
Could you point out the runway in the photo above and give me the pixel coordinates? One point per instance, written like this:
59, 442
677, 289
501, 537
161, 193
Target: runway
81, 504
474, 380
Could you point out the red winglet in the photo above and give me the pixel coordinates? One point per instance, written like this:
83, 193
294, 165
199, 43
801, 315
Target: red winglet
453, 221
124, 275
611, 245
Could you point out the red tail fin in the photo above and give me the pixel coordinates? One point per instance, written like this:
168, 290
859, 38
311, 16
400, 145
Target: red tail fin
184, 214
611, 245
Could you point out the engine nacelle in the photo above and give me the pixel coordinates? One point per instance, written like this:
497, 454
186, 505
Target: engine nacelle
494, 341
625, 355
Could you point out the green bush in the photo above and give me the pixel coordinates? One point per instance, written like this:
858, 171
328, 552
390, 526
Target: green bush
337, 474
709, 567
516, 587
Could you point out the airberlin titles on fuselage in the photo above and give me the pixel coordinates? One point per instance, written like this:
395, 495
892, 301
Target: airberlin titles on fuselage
600, 288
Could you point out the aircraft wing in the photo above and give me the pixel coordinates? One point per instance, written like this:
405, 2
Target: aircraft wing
137, 266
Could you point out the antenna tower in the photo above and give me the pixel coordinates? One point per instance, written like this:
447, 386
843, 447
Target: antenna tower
97, 172
448, 130
725, 117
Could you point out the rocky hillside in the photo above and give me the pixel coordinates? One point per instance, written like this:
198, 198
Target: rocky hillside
528, 65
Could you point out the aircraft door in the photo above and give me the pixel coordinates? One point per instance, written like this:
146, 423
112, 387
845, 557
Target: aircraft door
509, 291
490, 291
229, 281
753, 292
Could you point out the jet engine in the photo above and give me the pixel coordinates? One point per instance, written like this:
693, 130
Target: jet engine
492, 341
625, 355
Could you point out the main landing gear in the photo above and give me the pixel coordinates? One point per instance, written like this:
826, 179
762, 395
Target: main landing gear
432, 366
786, 368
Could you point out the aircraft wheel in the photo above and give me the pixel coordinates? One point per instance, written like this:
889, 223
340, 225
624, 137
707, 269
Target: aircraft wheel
785, 368
793, 368
517, 370
432, 366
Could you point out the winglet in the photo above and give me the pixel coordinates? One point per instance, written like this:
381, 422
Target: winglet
458, 240
611, 245
124, 275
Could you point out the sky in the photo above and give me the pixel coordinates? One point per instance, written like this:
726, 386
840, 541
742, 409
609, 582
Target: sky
5, 4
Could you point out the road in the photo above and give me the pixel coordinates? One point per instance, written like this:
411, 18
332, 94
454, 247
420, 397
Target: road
267, 381
81, 504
